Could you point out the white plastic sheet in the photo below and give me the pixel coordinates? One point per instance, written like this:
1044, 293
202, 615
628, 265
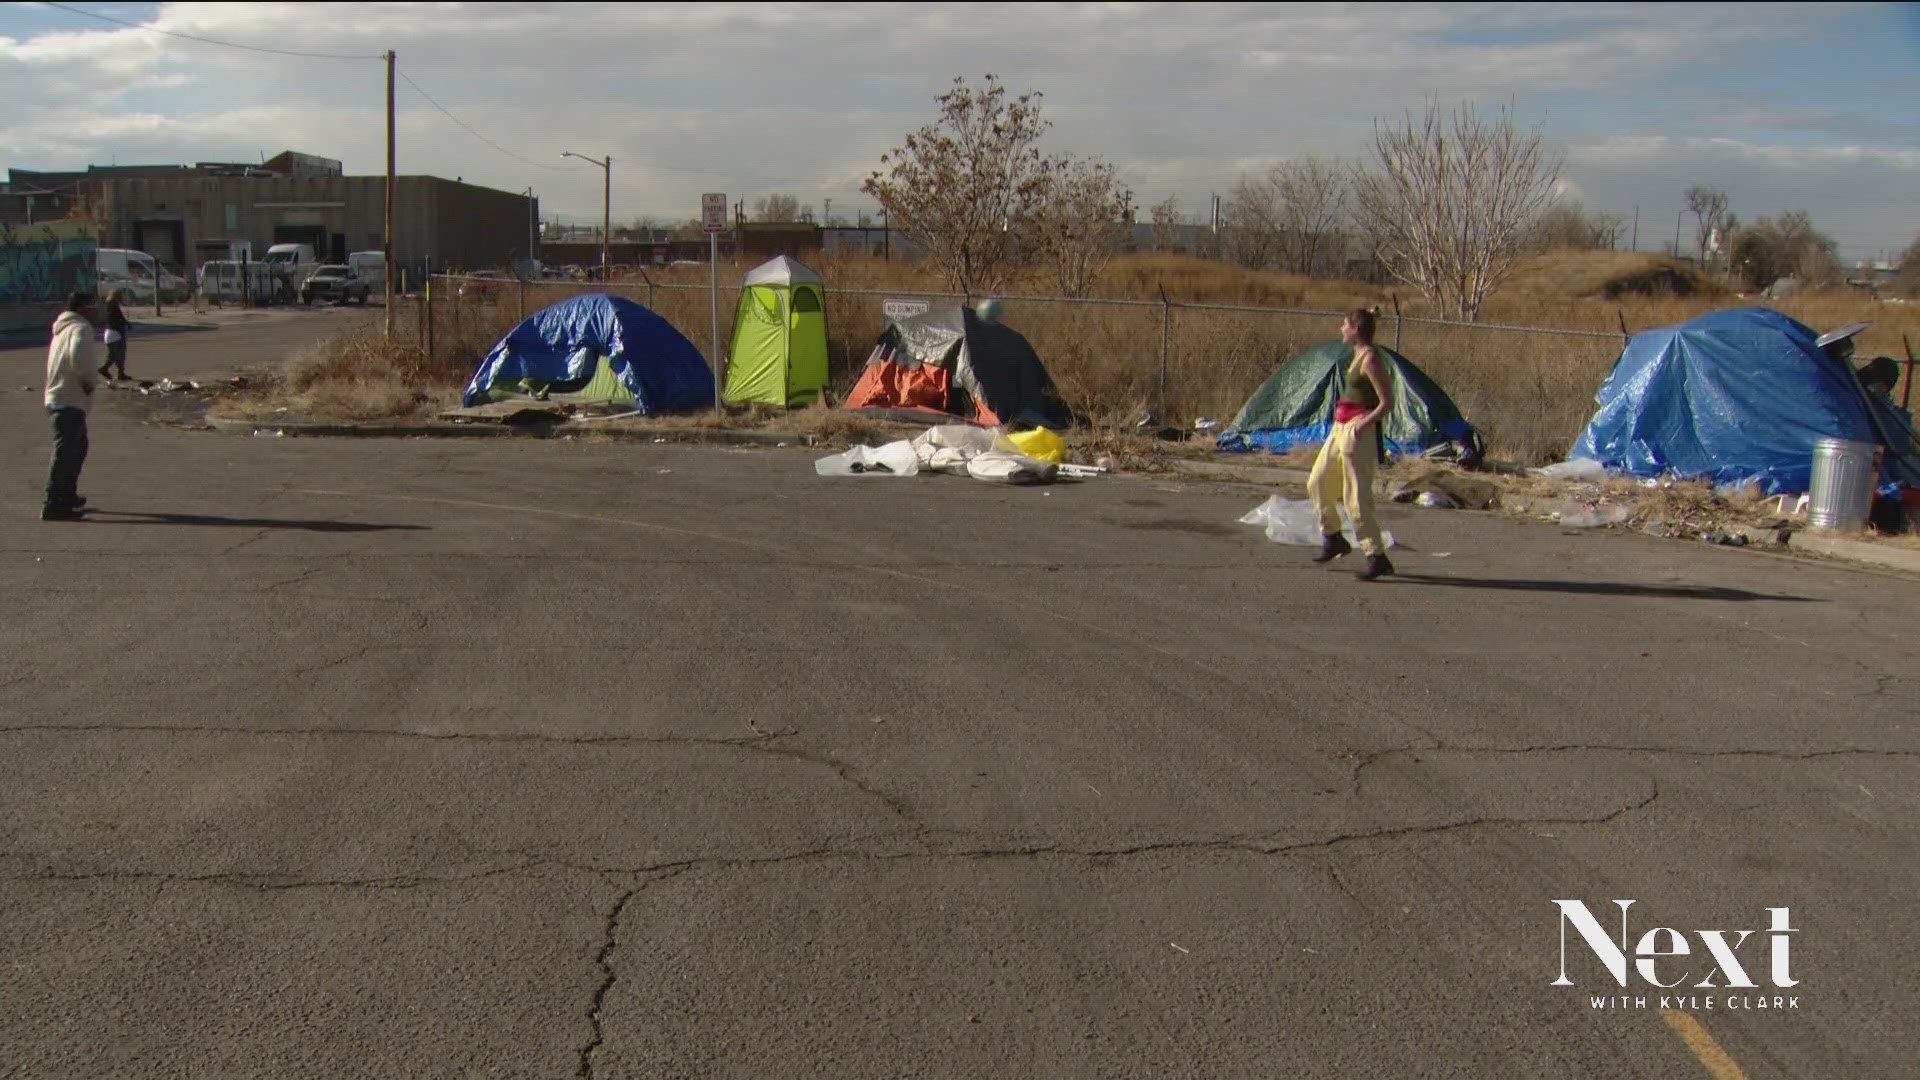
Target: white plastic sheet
1294, 521
1001, 467
893, 459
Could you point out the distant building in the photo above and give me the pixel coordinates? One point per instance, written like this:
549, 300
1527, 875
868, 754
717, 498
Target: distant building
184, 215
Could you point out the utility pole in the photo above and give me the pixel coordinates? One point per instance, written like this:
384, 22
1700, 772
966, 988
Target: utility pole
389, 236
606, 211
826, 215
1636, 228
1677, 219
532, 220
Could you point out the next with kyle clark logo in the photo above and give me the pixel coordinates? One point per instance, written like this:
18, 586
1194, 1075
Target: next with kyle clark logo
1676, 960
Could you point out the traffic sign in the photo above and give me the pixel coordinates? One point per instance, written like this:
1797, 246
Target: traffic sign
713, 211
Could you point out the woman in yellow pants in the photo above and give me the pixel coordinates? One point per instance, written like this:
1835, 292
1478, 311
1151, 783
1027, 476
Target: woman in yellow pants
1343, 473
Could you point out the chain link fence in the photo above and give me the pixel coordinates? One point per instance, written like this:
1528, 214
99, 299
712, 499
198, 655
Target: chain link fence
1528, 388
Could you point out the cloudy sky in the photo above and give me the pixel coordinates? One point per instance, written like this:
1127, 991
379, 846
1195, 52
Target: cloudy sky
1788, 107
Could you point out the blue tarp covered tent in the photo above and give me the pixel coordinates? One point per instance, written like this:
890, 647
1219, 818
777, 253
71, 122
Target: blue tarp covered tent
632, 351
1730, 396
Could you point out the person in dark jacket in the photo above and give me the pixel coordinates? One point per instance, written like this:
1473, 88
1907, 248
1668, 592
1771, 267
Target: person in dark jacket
115, 337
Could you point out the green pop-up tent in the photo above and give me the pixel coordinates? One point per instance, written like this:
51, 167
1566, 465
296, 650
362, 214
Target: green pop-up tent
779, 352
1294, 407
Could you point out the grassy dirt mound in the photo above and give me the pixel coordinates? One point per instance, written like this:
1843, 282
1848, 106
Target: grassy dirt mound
1610, 275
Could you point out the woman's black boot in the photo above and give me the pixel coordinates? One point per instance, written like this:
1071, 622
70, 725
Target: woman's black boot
1377, 566
1332, 546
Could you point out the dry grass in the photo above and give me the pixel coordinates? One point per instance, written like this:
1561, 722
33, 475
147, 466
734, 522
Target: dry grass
1530, 393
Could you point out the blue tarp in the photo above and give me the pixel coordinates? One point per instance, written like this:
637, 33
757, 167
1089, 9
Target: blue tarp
562, 343
1730, 396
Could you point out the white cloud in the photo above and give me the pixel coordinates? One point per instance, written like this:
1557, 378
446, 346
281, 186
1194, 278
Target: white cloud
754, 98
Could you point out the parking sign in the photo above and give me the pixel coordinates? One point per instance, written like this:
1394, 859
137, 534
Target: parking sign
713, 210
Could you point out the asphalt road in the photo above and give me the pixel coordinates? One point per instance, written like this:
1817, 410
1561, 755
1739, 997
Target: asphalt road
338, 758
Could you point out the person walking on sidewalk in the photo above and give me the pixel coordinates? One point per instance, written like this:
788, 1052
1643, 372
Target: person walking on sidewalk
1343, 473
71, 378
115, 337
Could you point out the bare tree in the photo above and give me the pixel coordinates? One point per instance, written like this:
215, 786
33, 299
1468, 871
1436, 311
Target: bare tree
1166, 224
1568, 225
1313, 207
1075, 227
1605, 230
962, 186
1449, 199
776, 207
1253, 215
1709, 208
1906, 279
1787, 246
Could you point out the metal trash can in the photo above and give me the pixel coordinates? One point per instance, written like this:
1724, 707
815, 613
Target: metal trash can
1844, 476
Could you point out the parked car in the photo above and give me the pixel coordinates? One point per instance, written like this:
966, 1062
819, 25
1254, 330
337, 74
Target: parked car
483, 284
336, 283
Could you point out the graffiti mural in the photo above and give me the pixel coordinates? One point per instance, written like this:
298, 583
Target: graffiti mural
43, 263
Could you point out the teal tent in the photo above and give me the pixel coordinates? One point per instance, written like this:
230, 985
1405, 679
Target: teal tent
1294, 407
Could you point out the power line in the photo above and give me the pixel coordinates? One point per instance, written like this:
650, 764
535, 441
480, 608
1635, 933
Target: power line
211, 41
468, 128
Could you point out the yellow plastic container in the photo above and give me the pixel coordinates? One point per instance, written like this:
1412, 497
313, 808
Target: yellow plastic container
1041, 445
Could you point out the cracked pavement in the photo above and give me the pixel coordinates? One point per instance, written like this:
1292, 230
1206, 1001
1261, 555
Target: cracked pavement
528, 759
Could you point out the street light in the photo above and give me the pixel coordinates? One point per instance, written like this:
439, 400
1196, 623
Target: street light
606, 214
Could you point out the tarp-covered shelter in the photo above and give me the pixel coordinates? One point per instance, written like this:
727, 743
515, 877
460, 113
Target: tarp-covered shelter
1734, 396
950, 361
1294, 407
596, 348
779, 353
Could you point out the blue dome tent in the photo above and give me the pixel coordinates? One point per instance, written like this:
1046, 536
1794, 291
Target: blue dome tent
596, 347
1734, 396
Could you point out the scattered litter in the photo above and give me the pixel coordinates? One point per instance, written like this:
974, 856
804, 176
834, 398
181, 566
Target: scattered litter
893, 459
1439, 500
998, 466
779, 444
1185, 952
1204, 424
659, 440
1574, 470
661, 472
283, 408
1725, 539
1294, 521
239, 382
1442, 554
1082, 472
262, 433
1090, 787
1315, 952
973, 1018
1596, 517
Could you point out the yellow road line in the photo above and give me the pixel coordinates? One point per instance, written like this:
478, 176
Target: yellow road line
1720, 1065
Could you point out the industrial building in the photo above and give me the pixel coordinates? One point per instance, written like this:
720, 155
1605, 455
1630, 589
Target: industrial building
185, 215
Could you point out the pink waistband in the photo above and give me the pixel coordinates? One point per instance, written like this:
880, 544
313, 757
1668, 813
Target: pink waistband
1346, 411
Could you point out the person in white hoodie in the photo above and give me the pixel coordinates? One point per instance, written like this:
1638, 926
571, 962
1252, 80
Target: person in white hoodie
73, 370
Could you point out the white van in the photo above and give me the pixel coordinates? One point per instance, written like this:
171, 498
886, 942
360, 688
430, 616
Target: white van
371, 266
292, 262
130, 271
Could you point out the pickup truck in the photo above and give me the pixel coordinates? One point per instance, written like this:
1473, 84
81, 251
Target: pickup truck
336, 283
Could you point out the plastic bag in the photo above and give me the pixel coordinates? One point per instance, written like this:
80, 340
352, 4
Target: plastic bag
1578, 469
893, 459
1598, 517
948, 447
1294, 521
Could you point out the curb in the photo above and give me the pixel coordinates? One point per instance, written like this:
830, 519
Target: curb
553, 430
1264, 475
1856, 551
